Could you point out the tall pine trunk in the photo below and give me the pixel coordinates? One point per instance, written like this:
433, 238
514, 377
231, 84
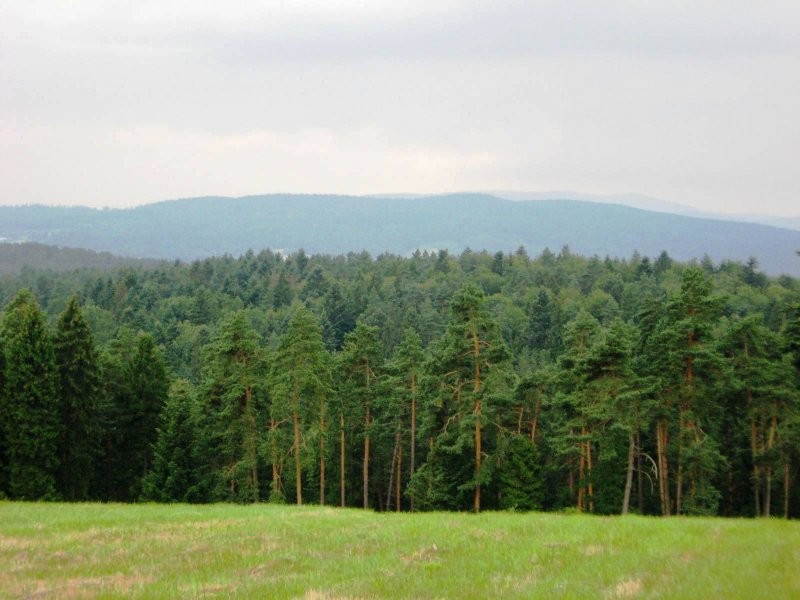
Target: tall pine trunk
273, 426
581, 474
626, 496
250, 442
663, 466
390, 486
786, 488
754, 454
639, 476
398, 486
367, 420
589, 474
476, 348
773, 432
413, 464
322, 452
341, 460
297, 470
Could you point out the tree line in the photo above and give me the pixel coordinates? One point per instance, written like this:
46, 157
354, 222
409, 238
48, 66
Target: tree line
469, 382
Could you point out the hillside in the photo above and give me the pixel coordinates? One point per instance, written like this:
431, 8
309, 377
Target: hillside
18, 256
656, 205
201, 227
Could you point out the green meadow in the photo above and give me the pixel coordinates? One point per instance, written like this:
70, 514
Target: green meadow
267, 551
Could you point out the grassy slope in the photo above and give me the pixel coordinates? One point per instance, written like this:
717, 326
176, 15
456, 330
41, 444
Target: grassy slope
88, 550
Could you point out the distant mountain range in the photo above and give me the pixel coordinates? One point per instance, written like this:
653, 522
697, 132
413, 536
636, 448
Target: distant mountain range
199, 227
656, 205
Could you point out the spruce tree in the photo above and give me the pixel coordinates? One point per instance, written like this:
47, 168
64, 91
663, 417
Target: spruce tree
173, 476
78, 388
148, 385
31, 408
519, 473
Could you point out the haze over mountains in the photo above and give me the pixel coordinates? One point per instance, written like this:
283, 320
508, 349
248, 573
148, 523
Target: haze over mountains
200, 227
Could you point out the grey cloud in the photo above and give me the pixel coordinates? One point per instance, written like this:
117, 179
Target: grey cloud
692, 101
499, 30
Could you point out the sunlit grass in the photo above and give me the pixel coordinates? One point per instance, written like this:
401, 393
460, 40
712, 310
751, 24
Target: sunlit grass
182, 551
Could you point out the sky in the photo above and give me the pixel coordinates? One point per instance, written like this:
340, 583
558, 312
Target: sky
107, 103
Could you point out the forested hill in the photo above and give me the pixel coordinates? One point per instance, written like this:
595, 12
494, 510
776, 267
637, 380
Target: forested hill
437, 381
16, 257
201, 227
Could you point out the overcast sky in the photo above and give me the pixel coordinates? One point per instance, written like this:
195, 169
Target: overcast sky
106, 103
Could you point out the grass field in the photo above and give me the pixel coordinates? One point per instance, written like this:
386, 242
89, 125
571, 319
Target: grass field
181, 551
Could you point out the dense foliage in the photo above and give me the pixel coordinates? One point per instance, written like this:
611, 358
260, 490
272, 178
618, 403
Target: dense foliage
430, 382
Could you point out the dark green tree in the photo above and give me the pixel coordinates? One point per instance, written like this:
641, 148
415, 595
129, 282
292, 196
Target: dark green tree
359, 369
683, 358
580, 405
233, 409
30, 405
79, 391
472, 365
173, 476
519, 473
614, 403
405, 372
147, 378
300, 383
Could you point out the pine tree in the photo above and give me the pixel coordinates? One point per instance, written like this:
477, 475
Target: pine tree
359, 365
684, 361
579, 405
471, 364
300, 382
79, 389
234, 408
30, 402
406, 371
609, 381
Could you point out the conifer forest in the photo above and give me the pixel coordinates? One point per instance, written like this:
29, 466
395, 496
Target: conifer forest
469, 382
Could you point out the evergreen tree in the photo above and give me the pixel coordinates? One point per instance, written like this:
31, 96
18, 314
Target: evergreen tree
609, 382
79, 389
173, 476
31, 408
579, 404
234, 408
282, 294
148, 386
406, 371
359, 364
471, 364
791, 334
519, 473
300, 381
684, 360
